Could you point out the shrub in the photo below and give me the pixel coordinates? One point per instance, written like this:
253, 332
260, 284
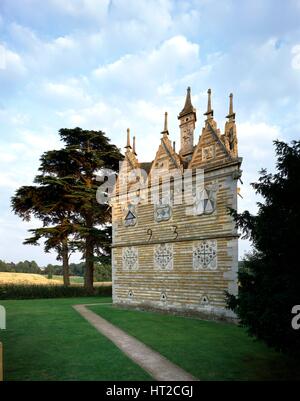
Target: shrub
102, 272
21, 291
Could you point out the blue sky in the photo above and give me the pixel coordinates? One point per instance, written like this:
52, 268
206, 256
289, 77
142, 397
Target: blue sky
113, 64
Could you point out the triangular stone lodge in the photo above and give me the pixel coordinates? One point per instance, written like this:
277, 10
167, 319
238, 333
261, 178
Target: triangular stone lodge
172, 251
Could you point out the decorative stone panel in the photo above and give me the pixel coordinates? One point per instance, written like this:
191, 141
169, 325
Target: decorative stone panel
205, 201
205, 300
205, 255
130, 216
162, 212
208, 153
130, 258
163, 257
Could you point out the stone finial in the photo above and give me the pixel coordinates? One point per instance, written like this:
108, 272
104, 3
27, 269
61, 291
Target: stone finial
188, 101
128, 146
231, 114
166, 122
188, 107
165, 130
133, 145
209, 113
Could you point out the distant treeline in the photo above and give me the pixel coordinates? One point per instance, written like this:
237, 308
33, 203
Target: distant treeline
20, 267
101, 272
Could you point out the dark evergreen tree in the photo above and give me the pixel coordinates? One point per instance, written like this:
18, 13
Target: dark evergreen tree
87, 153
48, 202
65, 198
269, 281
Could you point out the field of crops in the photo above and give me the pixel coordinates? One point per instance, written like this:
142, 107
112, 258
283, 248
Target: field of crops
38, 279
26, 278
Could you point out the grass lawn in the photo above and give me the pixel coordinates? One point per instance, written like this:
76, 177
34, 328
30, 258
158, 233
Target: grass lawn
48, 340
208, 350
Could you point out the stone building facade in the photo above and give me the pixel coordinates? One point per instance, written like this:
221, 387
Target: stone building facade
175, 246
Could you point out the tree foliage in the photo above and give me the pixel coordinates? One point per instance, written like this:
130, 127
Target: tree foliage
84, 155
269, 281
20, 267
48, 202
64, 199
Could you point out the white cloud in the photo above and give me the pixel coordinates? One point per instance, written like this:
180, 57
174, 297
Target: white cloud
258, 132
70, 92
174, 57
164, 89
296, 57
122, 26
63, 42
40, 142
9, 180
92, 9
19, 161
11, 63
255, 147
13, 117
99, 116
47, 56
7, 157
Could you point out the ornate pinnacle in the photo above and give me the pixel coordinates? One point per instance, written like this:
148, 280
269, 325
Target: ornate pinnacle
128, 146
231, 114
166, 122
188, 107
133, 145
165, 131
209, 113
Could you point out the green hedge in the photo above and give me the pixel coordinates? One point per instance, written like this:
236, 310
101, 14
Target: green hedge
22, 291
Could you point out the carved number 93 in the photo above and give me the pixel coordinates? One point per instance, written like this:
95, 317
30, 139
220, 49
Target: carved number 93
175, 231
149, 233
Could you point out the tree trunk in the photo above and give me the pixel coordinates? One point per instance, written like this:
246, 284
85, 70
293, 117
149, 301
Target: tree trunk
65, 259
89, 265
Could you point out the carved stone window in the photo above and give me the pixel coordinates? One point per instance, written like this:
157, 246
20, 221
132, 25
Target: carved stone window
205, 255
130, 294
130, 258
163, 257
130, 218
